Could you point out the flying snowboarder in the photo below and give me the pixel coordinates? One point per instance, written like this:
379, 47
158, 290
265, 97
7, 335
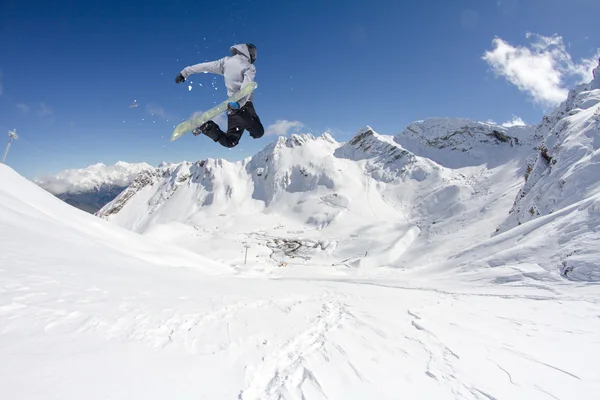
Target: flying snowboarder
237, 70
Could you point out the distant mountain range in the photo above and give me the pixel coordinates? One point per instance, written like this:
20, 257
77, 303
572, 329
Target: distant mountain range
90, 188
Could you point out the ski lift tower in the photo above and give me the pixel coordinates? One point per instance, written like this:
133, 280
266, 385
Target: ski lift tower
11, 135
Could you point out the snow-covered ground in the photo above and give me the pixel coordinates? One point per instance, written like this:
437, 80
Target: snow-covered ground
90, 310
385, 267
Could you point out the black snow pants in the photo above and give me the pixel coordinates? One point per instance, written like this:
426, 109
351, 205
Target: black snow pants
244, 118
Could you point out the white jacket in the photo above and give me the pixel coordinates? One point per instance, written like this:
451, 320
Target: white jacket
237, 70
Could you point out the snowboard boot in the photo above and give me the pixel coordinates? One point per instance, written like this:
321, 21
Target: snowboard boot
202, 128
205, 127
210, 129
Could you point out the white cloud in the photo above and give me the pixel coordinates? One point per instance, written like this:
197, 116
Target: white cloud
544, 69
282, 127
516, 121
24, 108
45, 110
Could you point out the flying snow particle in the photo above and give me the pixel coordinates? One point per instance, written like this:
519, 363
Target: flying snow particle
189, 88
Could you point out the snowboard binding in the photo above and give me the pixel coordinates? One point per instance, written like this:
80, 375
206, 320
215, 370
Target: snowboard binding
202, 128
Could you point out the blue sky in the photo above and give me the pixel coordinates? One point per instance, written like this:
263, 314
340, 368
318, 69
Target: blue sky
69, 70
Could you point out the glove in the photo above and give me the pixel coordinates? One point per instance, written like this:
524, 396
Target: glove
179, 78
233, 107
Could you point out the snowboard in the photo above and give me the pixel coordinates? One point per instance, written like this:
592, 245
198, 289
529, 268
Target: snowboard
194, 122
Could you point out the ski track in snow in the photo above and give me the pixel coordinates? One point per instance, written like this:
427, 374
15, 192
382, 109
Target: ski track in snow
282, 372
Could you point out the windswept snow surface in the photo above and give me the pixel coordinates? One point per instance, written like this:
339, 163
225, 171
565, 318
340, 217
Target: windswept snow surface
90, 310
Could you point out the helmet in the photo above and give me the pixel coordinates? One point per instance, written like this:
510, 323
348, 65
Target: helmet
252, 52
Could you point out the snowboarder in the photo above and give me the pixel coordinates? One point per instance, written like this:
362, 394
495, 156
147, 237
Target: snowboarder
237, 70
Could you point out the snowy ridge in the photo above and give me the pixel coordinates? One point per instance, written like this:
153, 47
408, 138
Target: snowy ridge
476, 140
295, 164
386, 160
563, 183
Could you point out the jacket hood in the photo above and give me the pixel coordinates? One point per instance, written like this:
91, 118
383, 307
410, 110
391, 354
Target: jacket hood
240, 49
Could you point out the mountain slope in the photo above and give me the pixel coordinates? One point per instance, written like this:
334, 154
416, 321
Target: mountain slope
557, 210
81, 299
90, 188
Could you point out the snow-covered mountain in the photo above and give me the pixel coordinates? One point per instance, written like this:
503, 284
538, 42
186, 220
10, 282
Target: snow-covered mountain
433, 138
92, 187
337, 200
433, 187
561, 193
